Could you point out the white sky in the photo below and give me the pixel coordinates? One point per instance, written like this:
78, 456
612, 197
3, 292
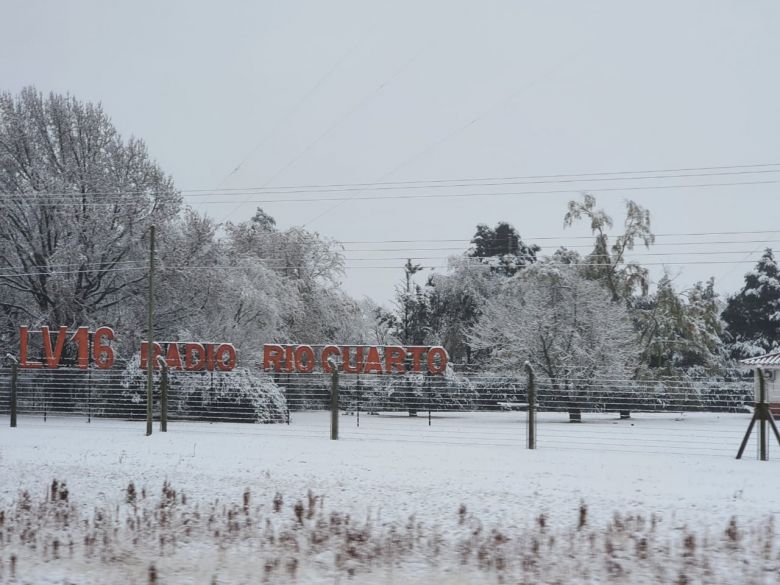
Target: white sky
343, 92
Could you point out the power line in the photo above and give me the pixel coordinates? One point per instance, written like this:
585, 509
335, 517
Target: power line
459, 252
289, 114
334, 125
91, 265
510, 193
359, 267
456, 249
630, 255
420, 196
285, 260
496, 183
436, 184
461, 249
534, 238
451, 134
501, 178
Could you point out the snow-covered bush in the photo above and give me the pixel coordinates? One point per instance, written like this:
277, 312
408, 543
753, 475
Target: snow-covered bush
492, 388
240, 395
412, 392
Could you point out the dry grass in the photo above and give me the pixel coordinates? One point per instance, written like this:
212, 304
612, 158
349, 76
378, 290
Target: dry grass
165, 537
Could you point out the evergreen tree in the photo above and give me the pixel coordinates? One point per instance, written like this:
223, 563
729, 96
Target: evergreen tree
502, 248
409, 324
752, 315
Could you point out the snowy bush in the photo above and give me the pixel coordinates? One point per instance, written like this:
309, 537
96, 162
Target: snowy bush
410, 391
239, 395
492, 388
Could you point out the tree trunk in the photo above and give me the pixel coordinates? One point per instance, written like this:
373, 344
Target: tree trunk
575, 415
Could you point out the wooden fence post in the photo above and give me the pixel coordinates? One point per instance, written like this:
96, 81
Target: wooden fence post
150, 336
334, 400
163, 394
531, 406
14, 366
89, 395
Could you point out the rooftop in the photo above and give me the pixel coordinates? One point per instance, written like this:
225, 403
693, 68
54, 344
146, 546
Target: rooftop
769, 360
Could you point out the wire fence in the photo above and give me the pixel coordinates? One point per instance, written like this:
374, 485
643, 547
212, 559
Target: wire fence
694, 415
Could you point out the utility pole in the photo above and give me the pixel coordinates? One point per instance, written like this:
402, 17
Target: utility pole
150, 336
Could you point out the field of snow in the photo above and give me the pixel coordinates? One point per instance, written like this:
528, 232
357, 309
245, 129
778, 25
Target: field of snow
676, 469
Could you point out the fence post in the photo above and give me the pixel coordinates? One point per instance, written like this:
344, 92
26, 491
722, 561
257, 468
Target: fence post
14, 366
150, 336
334, 400
163, 394
531, 406
89, 395
762, 436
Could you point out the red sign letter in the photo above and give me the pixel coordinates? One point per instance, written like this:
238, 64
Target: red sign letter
191, 362
372, 365
328, 351
102, 353
23, 340
301, 352
433, 368
53, 357
226, 357
358, 360
272, 357
394, 359
416, 353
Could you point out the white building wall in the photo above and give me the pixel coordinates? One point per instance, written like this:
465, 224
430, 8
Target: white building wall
772, 385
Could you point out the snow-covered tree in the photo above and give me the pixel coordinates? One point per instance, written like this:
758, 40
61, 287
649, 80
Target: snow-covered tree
294, 253
255, 285
244, 303
410, 323
456, 301
752, 315
679, 331
376, 323
608, 263
502, 248
76, 200
567, 327
312, 265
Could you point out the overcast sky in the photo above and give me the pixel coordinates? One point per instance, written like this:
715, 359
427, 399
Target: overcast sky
250, 94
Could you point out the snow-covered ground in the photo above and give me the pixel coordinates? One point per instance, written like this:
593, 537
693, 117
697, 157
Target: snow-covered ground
662, 462
680, 467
